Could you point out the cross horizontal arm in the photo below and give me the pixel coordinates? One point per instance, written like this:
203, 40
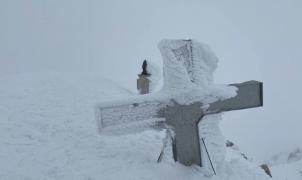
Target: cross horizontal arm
249, 95
131, 111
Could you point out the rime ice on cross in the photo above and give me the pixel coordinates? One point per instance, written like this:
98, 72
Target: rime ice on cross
187, 96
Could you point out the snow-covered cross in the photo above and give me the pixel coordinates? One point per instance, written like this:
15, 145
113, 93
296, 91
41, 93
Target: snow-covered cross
188, 94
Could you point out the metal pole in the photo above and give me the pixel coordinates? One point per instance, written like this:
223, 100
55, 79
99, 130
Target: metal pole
208, 155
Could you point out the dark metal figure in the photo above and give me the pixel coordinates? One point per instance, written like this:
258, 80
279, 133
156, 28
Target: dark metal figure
144, 66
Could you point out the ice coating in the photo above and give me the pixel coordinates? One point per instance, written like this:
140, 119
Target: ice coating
188, 72
187, 63
174, 73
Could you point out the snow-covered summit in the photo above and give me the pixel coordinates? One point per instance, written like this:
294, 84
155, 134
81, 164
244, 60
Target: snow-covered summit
48, 131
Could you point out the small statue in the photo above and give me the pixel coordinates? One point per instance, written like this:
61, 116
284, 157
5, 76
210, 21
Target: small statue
143, 81
144, 66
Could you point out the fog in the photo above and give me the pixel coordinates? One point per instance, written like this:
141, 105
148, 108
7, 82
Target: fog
258, 40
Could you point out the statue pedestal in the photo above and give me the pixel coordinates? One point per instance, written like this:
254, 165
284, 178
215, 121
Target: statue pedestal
143, 84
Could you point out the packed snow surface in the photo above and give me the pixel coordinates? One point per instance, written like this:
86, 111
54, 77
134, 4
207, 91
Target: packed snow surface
48, 132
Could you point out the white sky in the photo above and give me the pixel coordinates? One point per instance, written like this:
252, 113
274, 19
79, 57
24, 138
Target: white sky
259, 39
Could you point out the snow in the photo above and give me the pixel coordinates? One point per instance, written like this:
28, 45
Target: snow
48, 132
47, 125
214, 140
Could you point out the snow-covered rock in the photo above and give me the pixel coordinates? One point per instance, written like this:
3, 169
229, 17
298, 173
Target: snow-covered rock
286, 165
